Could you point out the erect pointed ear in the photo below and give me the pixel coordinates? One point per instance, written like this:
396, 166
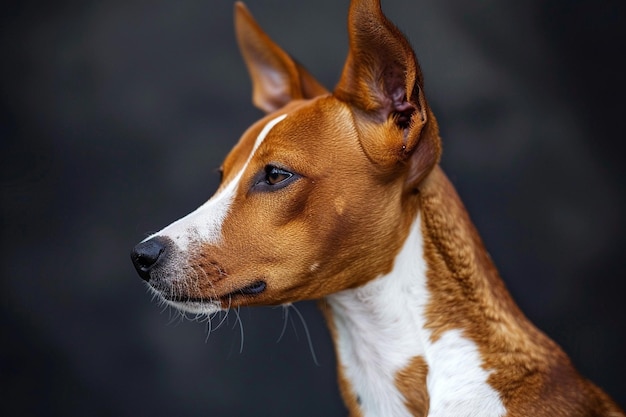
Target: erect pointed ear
382, 79
276, 77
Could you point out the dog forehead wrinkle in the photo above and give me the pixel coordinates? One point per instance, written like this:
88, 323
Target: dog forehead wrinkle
204, 225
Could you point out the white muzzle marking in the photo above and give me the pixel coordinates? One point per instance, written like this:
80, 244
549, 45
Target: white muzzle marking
205, 223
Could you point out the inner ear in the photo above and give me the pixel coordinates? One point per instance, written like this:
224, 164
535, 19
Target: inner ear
395, 91
382, 80
381, 75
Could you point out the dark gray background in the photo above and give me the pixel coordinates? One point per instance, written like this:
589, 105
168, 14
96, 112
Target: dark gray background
115, 115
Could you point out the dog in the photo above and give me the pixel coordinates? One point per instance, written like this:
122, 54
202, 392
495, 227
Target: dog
339, 197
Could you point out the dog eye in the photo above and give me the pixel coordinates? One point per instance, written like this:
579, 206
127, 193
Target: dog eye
272, 178
275, 175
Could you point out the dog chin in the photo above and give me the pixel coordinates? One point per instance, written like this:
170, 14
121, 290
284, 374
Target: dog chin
196, 307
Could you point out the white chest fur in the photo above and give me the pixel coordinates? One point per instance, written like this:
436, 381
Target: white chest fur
380, 328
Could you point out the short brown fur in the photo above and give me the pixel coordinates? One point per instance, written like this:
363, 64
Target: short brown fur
532, 374
411, 382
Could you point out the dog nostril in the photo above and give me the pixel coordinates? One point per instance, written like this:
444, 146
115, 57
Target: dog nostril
146, 255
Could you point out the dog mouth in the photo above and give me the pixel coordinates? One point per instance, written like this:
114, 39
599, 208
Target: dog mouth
251, 290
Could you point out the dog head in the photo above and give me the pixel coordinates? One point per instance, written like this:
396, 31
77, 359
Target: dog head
318, 195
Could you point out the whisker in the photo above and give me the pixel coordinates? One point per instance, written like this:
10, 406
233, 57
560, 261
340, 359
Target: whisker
238, 315
308, 335
285, 320
209, 323
223, 319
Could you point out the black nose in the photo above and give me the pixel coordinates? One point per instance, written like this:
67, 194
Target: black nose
146, 255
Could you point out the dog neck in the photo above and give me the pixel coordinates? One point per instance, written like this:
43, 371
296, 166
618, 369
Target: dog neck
416, 339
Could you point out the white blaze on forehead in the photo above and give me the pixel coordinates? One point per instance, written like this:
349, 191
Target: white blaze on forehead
205, 223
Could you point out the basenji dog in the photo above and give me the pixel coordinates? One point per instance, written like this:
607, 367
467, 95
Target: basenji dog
339, 197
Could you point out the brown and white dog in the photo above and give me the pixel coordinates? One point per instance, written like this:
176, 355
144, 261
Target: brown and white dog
339, 197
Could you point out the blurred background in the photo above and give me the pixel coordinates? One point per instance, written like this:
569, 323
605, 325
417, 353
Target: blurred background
115, 115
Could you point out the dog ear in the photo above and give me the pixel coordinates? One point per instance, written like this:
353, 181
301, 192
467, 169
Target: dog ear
276, 77
382, 80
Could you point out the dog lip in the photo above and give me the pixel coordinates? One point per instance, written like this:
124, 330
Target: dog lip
183, 299
253, 289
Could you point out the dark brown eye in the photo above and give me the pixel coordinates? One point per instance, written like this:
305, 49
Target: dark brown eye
275, 175
273, 178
